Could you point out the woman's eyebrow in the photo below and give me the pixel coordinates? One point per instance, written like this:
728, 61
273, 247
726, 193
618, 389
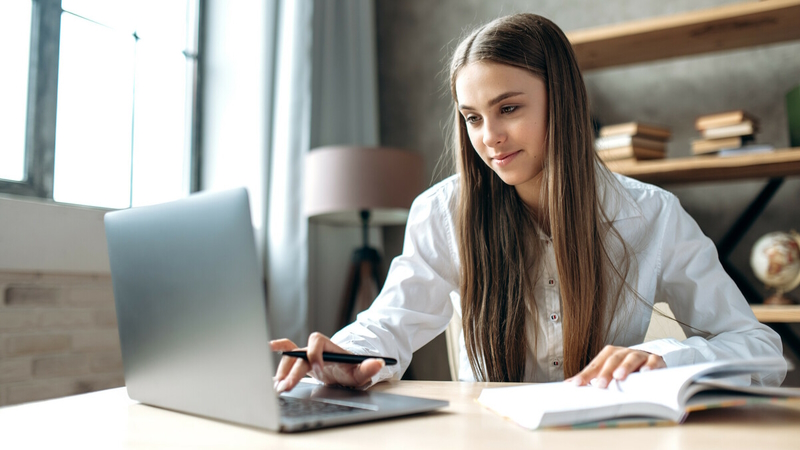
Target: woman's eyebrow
493, 101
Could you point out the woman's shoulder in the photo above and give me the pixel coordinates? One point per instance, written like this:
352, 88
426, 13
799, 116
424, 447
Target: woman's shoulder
630, 198
638, 189
431, 221
443, 194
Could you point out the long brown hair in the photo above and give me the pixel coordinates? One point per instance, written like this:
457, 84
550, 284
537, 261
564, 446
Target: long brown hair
495, 228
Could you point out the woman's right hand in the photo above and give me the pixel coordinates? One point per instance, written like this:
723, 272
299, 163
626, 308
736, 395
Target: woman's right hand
291, 370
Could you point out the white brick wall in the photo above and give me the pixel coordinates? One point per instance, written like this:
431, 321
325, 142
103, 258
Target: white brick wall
58, 336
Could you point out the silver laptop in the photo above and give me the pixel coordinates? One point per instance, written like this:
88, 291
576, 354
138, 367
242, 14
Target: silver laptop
193, 326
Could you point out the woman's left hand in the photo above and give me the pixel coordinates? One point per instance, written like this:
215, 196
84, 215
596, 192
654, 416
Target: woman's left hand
616, 363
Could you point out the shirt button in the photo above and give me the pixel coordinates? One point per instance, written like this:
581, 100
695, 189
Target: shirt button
555, 363
551, 282
554, 317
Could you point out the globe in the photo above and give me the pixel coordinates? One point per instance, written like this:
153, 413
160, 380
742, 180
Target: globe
775, 260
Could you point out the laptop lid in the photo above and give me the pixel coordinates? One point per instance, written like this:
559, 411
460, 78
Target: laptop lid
193, 323
190, 307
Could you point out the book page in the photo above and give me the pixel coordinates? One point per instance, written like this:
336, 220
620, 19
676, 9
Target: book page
677, 384
555, 404
735, 385
658, 394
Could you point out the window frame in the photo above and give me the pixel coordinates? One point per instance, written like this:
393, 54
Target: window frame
40, 124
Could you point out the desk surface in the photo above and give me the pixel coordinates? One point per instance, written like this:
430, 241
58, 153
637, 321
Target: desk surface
108, 419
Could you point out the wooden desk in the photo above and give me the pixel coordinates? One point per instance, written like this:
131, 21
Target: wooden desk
108, 419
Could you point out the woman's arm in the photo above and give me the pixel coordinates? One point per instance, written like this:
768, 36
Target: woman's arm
691, 280
415, 304
413, 307
701, 294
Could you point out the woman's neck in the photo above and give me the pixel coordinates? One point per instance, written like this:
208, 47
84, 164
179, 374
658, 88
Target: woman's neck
531, 195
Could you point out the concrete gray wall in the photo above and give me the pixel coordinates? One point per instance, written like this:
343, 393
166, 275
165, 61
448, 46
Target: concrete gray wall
416, 37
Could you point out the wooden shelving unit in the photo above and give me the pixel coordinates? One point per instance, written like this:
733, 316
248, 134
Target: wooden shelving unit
723, 28
780, 163
777, 313
710, 30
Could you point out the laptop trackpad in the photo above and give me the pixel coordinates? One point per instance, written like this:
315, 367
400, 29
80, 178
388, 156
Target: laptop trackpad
336, 395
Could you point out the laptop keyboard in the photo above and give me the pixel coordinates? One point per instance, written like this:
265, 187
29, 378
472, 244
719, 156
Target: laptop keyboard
297, 407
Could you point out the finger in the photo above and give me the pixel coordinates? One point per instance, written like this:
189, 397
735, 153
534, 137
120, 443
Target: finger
286, 362
284, 367
611, 363
632, 362
326, 372
351, 375
653, 362
364, 372
299, 370
317, 344
282, 345
593, 368
577, 380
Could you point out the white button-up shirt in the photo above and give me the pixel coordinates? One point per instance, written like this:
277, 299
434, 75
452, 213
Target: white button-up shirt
674, 262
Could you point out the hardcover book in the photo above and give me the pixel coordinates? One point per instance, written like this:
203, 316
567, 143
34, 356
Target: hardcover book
703, 146
745, 128
664, 396
630, 151
723, 119
624, 140
636, 129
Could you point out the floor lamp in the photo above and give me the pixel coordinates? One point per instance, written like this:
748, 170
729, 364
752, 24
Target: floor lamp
361, 186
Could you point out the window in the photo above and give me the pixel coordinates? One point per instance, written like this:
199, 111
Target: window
113, 84
15, 30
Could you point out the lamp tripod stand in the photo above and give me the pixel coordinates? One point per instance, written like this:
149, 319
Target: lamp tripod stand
364, 281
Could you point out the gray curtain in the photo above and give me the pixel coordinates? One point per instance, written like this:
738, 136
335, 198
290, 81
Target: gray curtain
326, 94
344, 112
287, 233
281, 77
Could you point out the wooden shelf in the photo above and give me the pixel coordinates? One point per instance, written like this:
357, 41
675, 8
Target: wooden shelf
780, 163
777, 313
710, 30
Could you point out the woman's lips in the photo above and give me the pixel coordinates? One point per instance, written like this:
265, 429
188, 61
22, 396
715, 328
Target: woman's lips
505, 158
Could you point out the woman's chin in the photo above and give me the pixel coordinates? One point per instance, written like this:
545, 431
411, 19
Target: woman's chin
510, 179
522, 182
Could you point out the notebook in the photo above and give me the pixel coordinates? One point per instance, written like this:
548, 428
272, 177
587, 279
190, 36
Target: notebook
193, 328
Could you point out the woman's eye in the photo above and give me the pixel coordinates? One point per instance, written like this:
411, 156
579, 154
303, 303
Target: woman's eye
471, 119
508, 109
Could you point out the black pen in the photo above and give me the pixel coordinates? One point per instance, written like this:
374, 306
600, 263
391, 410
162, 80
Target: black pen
341, 357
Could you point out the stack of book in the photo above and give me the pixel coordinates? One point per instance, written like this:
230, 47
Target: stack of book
724, 131
631, 141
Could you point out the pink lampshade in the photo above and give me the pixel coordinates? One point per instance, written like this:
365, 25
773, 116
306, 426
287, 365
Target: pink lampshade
341, 181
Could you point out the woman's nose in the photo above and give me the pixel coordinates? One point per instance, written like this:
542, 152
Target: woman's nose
493, 134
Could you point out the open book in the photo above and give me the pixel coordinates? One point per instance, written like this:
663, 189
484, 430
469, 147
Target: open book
664, 395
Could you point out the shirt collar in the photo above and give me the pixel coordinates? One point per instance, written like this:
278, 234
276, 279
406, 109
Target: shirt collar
616, 201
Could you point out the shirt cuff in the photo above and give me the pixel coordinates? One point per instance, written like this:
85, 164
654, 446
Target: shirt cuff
672, 351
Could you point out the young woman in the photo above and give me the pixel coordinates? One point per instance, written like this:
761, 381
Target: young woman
551, 262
